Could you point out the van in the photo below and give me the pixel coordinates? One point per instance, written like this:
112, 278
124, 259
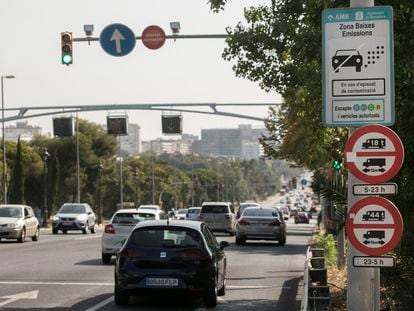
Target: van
219, 216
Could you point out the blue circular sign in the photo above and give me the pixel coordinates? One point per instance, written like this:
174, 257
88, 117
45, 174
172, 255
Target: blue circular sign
117, 40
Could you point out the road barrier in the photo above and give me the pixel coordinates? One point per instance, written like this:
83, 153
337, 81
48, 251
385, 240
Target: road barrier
315, 295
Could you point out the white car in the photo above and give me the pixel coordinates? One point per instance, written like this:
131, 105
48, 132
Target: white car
181, 214
18, 222
193, 213
152, 207
121, 225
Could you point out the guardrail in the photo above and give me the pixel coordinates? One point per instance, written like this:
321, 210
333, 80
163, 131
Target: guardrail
315, 295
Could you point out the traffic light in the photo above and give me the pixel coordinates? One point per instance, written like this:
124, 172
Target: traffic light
117, 125
67, 48
63, 126
172, 124
336, 165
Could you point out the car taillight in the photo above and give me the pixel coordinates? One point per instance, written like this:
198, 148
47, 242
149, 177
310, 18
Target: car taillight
130, 253
243, 222
275, 223
109, 228
194, 254
227, 216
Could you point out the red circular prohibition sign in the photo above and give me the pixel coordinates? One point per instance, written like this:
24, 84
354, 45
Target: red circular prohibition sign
397, 225
398, 153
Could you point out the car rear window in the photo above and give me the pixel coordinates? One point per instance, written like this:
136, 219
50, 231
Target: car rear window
193, 211
165, 238
216, 209
126, 218
258, 212
146, 216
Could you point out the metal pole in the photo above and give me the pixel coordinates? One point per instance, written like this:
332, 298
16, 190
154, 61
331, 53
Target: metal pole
121, 190
77, 159
45, 211
4, 181
100, 167
153, 173
4, 145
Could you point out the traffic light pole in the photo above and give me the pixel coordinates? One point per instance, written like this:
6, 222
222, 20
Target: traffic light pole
363, 288
174, 37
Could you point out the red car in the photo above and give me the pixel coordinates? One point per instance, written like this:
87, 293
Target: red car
302, 217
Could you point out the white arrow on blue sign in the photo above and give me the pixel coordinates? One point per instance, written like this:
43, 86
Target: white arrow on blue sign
117, 40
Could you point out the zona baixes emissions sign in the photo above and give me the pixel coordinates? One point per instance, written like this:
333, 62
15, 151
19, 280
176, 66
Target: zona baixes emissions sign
358, 66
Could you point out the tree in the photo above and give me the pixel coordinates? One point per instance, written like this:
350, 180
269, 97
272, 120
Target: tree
16, 192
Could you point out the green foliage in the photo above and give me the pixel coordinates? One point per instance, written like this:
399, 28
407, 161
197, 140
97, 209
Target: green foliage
16, 191
327, 242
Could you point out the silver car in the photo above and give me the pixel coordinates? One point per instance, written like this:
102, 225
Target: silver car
74, 216
18, 222
193, 213
219, 216
261, 223
120, 226
181, 214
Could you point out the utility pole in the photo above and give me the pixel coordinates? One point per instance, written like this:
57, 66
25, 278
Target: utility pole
362, 284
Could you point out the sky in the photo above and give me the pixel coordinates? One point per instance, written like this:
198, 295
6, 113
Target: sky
181, 71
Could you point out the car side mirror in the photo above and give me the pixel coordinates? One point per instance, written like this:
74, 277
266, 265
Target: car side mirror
224, 244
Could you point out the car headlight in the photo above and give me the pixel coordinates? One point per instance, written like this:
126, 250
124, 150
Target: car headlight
82, 217
14, 225
56, 218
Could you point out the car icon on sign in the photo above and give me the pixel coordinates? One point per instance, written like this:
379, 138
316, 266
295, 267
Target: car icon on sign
347, 58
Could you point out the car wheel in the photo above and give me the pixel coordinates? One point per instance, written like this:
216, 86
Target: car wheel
240, 241
36, 235
231, 233
210, 298
54, 231
282, 241
85, 230
106, 258
64, 231
22, 237
120, 297
93, 229
222, 291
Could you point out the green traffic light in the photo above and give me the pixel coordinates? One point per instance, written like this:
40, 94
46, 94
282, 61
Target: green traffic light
336, 165
66, 59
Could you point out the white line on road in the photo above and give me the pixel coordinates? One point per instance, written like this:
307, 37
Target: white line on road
255, 287
57, 283
101, 304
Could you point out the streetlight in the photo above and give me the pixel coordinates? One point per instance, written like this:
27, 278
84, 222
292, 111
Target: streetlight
4, 139
46, 156
136, 177
100, 216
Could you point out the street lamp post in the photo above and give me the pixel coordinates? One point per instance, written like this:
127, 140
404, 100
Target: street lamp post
100, 216
4, 139
46, 156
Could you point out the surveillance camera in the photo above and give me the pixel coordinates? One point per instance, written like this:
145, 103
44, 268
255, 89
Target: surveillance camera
88, 29
175, 27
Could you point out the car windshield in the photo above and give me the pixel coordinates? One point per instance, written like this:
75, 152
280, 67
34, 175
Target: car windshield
12, 212
72, 209
259, 212
126, 218
215, 209
165, 238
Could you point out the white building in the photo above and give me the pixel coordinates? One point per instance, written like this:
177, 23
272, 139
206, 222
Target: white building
22, 129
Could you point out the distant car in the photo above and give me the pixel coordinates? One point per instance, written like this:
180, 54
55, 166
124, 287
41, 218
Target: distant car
245, 205
154, 207
193, 213
261, 223
285, 213
18, 222
293, 212
219, 216
302, 217
171, 257
181, 214
74, 217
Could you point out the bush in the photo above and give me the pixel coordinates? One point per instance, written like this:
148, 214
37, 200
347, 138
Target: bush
327, 241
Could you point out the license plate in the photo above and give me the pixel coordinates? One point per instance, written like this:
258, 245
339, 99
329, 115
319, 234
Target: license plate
67, 223
162, 282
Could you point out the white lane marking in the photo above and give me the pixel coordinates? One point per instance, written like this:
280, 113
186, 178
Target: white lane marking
101, 304
12, 298
57, 283
88, 237
255, 287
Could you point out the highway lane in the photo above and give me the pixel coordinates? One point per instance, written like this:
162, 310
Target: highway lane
64, 272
